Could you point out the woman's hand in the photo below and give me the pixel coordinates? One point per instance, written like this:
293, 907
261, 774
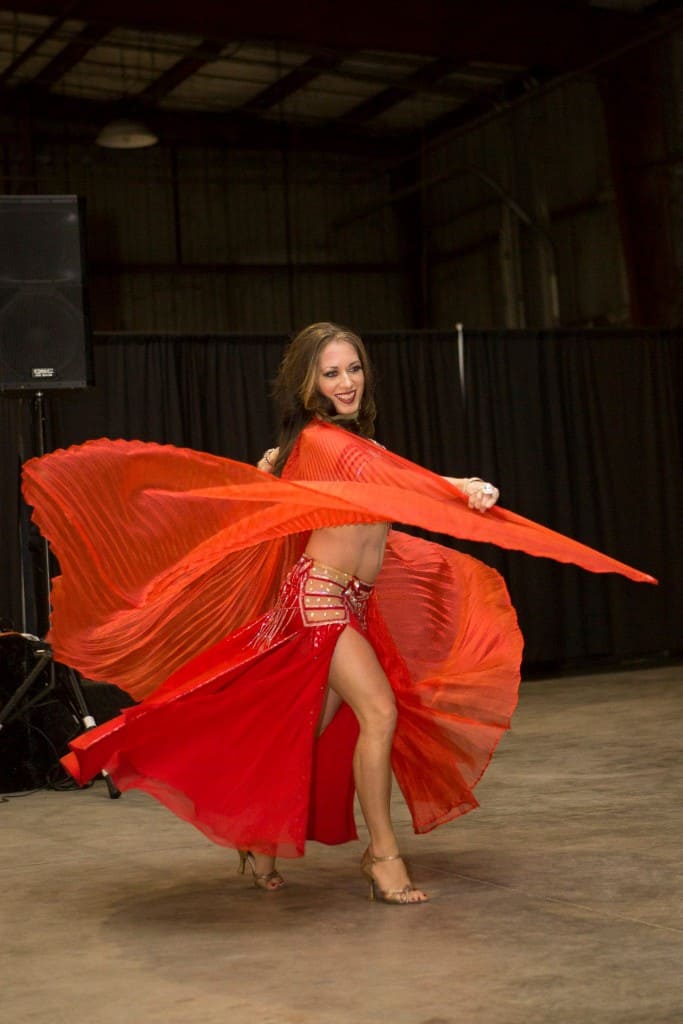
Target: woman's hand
267, 461
481, 494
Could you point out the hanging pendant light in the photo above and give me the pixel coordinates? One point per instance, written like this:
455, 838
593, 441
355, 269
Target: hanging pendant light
124, 133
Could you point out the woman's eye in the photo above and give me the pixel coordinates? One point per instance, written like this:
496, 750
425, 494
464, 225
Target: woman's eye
352, 369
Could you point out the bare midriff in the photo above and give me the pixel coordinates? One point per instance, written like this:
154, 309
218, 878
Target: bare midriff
357, 549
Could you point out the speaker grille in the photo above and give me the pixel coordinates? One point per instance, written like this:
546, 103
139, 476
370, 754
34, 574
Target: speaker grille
41, 338
44, 332
40, 240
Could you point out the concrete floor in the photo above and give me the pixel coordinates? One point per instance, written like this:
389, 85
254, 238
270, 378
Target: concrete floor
559, 902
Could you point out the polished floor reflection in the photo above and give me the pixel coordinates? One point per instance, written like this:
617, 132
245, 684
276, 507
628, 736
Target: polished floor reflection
560, 901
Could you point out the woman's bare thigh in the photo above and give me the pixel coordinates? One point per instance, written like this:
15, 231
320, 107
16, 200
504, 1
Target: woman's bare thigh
357, 678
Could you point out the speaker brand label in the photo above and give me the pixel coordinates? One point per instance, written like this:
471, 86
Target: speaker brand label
42, 372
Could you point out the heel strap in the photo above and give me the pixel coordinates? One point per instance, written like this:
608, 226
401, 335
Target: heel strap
379, 860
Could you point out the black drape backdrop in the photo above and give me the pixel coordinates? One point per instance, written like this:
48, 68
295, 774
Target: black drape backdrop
582, 431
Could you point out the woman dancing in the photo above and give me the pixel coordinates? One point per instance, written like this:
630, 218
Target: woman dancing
351, 649
326, 374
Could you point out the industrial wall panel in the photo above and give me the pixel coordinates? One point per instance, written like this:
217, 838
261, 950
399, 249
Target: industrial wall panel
591, 273
563, 136
231, 206
465, 291
675, 131
364, 301
129, 199
339, 210
541, 173
256, 208
204, 239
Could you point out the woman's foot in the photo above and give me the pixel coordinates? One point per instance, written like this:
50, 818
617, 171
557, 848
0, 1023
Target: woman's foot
389, 880
262, 869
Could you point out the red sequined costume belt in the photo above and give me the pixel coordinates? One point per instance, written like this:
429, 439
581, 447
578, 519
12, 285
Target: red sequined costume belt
321, 595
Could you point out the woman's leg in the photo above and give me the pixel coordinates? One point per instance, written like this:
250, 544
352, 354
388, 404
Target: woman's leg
357, 677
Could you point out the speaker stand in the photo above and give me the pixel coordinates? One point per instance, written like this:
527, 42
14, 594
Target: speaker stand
38, 421
70, 691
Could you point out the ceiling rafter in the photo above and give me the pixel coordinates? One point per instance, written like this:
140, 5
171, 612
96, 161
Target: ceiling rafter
206, 52
42, 37
69, 57
472, 60
424, 77
290, 83
483, 104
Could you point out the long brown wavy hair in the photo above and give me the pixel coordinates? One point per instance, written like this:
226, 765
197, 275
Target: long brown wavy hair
297, 394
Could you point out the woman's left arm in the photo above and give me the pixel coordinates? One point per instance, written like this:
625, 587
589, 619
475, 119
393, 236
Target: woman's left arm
480, 494
267, 461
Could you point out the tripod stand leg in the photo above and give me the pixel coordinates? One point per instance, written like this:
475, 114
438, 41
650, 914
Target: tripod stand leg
114, 791
6, 712
79, 703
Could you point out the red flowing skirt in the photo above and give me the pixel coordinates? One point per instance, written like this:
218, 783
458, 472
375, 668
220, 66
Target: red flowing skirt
229, 741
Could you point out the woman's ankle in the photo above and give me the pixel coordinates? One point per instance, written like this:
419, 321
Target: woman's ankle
385, 847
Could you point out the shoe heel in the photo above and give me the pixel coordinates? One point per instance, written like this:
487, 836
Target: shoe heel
247, 860
400, 897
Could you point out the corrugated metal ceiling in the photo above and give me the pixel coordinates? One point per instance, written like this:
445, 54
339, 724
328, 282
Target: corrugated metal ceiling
82, 63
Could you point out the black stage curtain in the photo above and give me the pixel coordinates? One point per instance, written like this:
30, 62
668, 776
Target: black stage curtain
581, 430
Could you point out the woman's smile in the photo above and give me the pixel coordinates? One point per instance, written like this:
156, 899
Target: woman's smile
347, 397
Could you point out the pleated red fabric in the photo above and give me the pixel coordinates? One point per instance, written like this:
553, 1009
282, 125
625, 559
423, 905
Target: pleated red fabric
170, 559
155, 543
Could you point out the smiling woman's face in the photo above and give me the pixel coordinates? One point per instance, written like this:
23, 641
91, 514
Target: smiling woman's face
340, 376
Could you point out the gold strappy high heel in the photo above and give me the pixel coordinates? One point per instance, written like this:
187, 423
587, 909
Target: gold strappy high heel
398, 896
260, 881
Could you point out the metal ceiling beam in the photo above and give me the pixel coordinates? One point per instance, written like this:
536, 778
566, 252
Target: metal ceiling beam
473, 109
234, 129
383, 101
72, 53
205, 53
61, 16
296, 79
524, 33
534, 84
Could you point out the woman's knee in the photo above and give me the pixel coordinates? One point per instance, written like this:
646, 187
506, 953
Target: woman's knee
378, 715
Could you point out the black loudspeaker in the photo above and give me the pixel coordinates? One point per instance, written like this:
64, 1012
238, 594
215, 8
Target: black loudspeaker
45, 340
